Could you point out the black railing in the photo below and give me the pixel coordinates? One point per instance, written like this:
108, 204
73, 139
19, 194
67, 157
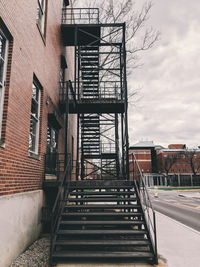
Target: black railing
141, 190
67, 92
63, 191
55, 164
80, 16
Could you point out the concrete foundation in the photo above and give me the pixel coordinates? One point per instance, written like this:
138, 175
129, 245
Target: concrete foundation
20, 223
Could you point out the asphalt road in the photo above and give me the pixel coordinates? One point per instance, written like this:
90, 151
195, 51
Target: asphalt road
183, 207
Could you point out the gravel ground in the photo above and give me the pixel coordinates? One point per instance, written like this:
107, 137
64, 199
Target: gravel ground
37, 255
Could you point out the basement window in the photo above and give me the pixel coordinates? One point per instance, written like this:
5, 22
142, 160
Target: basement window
41, 16
35, 118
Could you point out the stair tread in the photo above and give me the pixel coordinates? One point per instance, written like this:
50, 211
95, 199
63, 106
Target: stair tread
95, 254
85, 222
104, 206
104, 231
103, 242
102, 214
102, 193
102, 187
100, 199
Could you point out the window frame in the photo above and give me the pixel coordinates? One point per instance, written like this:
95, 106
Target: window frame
34, 118
4, 71
41, 16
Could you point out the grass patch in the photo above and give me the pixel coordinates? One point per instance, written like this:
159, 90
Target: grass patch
176, 188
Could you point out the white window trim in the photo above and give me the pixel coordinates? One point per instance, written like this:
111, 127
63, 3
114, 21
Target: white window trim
3, 82
38, 120
41, 21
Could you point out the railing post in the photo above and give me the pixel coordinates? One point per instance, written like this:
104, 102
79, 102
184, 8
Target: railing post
155, 238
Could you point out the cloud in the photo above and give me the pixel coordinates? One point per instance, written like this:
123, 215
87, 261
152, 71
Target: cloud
169, 108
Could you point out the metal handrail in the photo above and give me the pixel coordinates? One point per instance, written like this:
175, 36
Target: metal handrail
146, 203
80, 15
59, 203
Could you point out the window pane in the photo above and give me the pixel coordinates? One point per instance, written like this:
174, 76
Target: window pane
1, 71
2, 56
35, 92
34, 108
2, 46
34, 119
41, 2
41, 14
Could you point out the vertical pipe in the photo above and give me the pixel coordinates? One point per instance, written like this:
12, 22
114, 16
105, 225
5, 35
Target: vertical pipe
117, 144
66, 123
126, 100
77, 149
122, 136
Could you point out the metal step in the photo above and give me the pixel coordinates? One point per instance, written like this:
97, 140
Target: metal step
90, 121
100, 223
93, 76
90, 59
101, 232
103, 254
89, 63
103, 206
96, 242
87, 48
103, 199
93, 186
90, 83
89, 69
114, 214
87, 54
90, 88
103, 193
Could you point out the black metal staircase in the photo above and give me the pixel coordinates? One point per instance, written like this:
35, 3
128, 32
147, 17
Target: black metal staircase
102, 221
100, 216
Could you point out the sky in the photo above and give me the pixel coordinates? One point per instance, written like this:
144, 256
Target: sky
167, 107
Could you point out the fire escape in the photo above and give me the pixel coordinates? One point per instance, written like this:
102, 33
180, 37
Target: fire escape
100, 215
101, 94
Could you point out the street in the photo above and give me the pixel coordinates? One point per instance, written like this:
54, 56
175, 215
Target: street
181, 206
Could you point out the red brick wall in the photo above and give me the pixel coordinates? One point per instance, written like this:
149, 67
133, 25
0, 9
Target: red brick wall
30, 55
177, 146
181, 165
143, 157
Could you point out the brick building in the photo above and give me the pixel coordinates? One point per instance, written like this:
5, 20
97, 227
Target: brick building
145, 153
176, 165
180, 165
33, 65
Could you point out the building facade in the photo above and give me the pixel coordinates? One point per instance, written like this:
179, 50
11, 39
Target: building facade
175, 166
34, 65
180, 165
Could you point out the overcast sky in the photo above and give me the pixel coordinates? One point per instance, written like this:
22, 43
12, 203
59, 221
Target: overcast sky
169, 107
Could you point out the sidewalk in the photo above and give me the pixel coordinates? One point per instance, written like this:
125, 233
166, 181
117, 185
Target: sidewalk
190, 194
177, 243
178, 246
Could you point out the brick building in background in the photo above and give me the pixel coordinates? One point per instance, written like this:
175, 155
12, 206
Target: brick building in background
145, 153
175, 166
180, 165
33, 65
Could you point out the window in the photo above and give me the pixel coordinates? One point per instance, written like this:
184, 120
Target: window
41, 15
52, 139
34, 120
3, 57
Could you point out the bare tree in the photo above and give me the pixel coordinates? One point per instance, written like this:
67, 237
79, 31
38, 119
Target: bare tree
168, 161
192, 157
139, 37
